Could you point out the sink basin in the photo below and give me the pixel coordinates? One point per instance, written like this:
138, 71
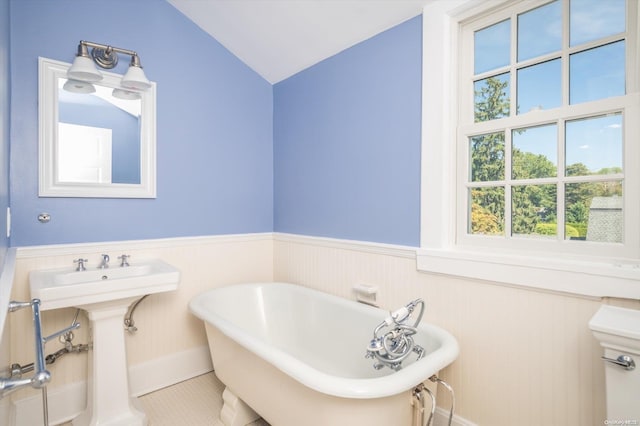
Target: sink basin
62, 288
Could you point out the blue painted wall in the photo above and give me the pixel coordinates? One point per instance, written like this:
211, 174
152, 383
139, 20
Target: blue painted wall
5, 115
214, 126
332, 151
347, 142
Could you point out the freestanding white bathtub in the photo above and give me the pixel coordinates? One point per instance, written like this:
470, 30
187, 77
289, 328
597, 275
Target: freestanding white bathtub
297, 357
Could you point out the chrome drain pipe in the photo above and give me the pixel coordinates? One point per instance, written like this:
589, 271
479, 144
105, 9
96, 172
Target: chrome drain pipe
438, 380
129, 323
419, 405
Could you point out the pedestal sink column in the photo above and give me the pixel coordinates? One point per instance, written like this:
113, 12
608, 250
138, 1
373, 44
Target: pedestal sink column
108, 398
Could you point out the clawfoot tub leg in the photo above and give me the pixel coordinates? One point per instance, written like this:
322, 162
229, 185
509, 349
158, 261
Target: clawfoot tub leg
234, 411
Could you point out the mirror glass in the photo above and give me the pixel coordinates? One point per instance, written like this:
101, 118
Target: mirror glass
96, 139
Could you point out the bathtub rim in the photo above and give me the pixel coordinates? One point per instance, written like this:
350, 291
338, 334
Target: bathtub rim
360, 388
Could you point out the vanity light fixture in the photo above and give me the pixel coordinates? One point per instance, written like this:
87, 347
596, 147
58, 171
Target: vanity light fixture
82, 68
106, 57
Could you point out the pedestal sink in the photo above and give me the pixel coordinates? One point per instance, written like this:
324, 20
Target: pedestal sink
106, 295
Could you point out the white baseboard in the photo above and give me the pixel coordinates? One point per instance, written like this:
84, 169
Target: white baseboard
68, 401
169, 370
64, 403
441, 418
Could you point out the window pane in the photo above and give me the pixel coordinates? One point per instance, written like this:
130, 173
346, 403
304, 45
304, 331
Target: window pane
594, 19
594, 211
487, 211
533, 211
540, 31
594, 146
487, 157
597, 73
492, 98
534, 152
492, 47
539, 87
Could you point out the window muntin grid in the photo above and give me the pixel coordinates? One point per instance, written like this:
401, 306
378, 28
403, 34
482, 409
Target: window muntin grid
507, 196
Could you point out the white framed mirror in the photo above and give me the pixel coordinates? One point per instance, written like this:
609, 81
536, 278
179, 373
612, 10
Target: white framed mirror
95, 139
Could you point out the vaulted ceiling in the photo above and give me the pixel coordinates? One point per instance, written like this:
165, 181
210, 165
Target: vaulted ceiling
278, 38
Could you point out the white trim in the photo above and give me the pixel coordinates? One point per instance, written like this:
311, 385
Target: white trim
6, 285
353, 245
168, 370
539, 273
441, 418
440, 35
438, 253
66, 402
77, 248
438, 111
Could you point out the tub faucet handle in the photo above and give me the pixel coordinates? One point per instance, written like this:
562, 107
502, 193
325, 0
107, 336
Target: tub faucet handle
80, 263
124, 260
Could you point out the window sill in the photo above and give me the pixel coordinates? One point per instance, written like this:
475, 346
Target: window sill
551, 274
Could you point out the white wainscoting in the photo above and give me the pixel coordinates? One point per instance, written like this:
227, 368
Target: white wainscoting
527, 357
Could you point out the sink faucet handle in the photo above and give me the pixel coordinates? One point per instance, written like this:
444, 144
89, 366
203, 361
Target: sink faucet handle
80, 263
124, 259
105, 261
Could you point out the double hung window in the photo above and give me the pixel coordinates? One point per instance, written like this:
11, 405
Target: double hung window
531, 144
547, 131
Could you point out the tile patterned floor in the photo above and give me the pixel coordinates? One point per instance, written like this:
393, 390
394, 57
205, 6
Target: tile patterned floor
194, 402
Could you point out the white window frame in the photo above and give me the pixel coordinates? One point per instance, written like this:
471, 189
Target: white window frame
440, 252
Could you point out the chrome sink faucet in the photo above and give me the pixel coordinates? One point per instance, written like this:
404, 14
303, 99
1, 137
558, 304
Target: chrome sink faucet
105, 262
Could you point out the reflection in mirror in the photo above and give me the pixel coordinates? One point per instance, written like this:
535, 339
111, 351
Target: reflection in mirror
98, 135
96, 139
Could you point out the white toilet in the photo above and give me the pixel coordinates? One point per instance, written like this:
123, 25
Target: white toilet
618, 331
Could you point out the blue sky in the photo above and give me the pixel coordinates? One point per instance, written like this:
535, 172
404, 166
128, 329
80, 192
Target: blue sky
594, 74
595, 142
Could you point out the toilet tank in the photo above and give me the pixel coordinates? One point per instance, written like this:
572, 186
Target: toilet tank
618, 331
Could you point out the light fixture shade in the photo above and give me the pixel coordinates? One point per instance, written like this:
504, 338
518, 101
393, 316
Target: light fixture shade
77, 86
128, 95
135, 79
83, 69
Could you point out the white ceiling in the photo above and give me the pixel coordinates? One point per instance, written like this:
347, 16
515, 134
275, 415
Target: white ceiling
278, 38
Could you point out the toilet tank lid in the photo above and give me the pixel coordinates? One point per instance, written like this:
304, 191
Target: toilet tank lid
617, 321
